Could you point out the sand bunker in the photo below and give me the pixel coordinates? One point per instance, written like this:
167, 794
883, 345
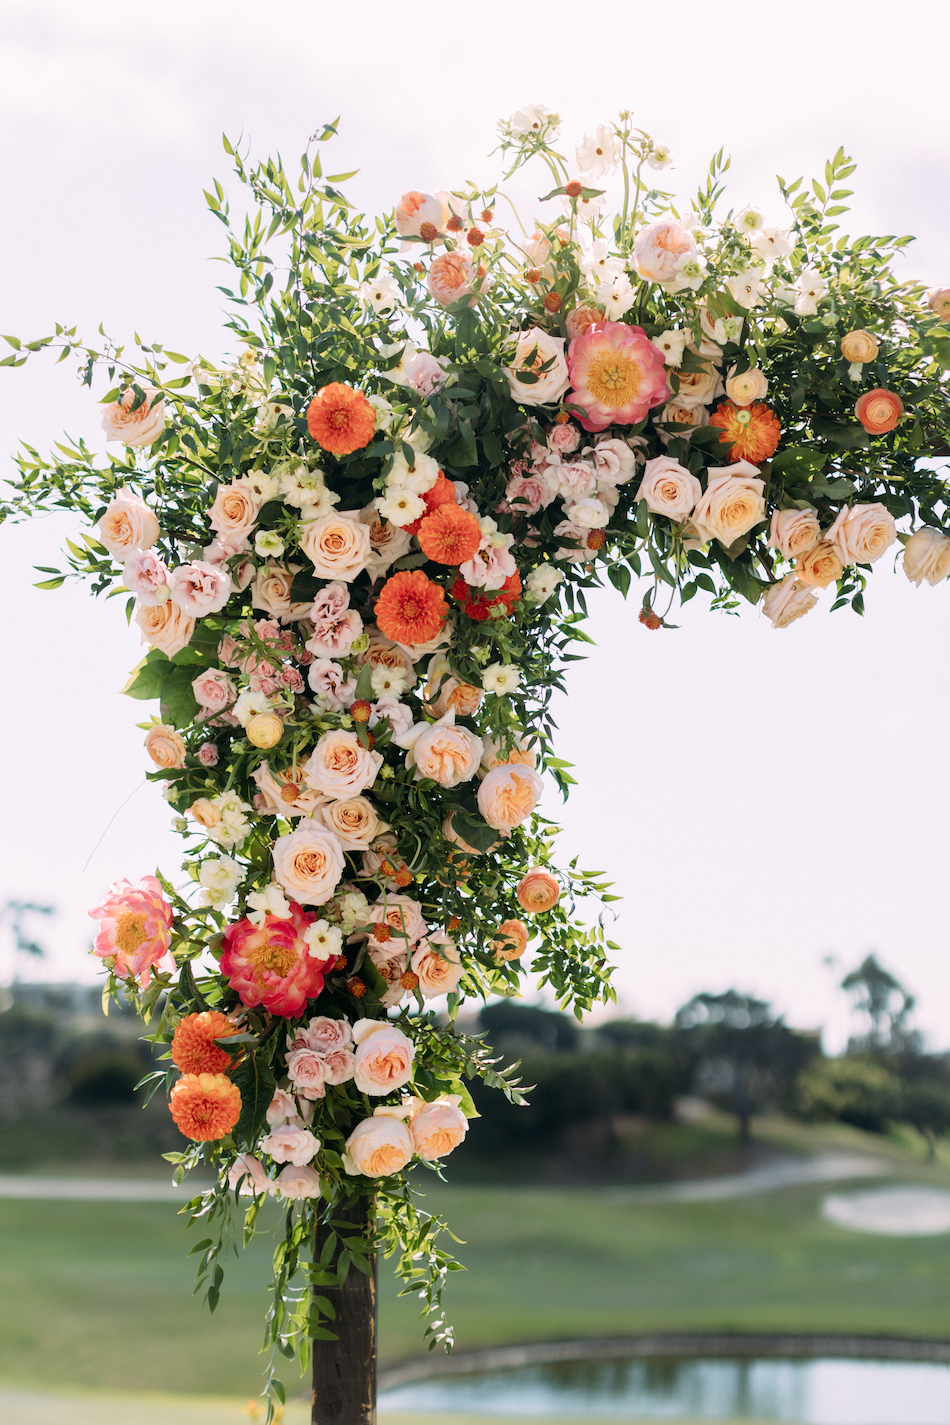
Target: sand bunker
904, 1210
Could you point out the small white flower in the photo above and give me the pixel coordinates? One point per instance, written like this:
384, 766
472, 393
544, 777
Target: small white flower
660, 157
598, 155
749, 220
541, 583
810, 288
488, 526
501, 678
354, 910
855, 370
382, 293
727, 329
672, 344
400, 506
597, 264
268, 544
587, 208
388, 682
690, 272
219, 876
265, 486
320, 503
270, 901
420, 478
234, 827
249, 704
532, 119
383, 411
616, 297
772, 243
301, 485
746, 287
323, 940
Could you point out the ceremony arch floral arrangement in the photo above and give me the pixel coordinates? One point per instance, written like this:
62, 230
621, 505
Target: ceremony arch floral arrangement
358, 555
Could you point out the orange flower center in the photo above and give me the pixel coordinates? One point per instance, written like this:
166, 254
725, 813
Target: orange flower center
130, 931
272, 955
612, 379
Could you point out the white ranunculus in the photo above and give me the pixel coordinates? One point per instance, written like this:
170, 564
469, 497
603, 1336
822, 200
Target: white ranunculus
749, 219
590, 513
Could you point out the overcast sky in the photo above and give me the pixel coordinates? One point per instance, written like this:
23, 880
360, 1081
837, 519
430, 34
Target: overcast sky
762, 799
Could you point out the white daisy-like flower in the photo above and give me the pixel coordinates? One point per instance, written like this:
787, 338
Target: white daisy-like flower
501, 678
400, 506
596, 263
264, 485
810, 287
388, 682
746, 287
270, 901
533, 119
772, 243
672, 344
599, 154
381, 293
323, 940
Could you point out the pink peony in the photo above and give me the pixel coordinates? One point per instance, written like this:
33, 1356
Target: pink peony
271, 966
134, 929
144, 575
617, 375
200, 588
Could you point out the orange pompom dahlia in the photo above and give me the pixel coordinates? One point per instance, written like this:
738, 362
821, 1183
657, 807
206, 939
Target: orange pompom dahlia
411, 608
751, 432
205, 1106
450, 535
441, 493
341, 419
193, 1048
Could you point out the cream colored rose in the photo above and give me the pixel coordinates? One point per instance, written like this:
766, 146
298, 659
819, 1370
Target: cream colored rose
733, 504
787, 601
164, 626
384, 1056
164, 745
448, 754
438, 964
340, 766
536, 349
353, 821
697, 388
141, 427
308, 864
337, 545
862, 533
859, 346
438, 1127
270, 591
383, 653
794, 532
750, 386
285, 793
264, 729
236, 507
443, 691
927, 556
378, 1147
668, 488
128, 524
508, 795
819, 566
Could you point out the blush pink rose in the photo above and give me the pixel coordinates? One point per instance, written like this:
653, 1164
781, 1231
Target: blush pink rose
669, 488
449, 755
378, 1147
214, 690
139, 427
564, 439
307, 1071
450, 278
270, 591
324, 1034
337, 545
526, 494
787, 601
208, 754
862, 533
508, 795
794, 532
403, 916
128, 524
308, 863
295, 1183
199, 589
146, 576
248, 1177
235, 508
438, 965
384, 1057
658, 249
334, 637
340, 766
290, 1145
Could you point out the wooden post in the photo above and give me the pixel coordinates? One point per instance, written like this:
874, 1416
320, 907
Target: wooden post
344, 1370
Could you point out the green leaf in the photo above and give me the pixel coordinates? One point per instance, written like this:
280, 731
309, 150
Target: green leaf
799, 461
148, 679
474, 830
257, 1085
179, 706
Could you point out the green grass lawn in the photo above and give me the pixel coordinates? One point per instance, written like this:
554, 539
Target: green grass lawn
98, 1295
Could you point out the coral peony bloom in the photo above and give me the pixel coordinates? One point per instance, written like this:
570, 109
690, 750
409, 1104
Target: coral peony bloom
193, 1048
617, 375
205, 1106
134, 928
410, 608
511, 941
478, 604
270, 965
341, 419
450, 535
751, 432
879, 410
538, 891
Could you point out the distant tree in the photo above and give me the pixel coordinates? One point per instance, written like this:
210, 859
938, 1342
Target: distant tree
742, 1051
14, 914
884, 1004
513, 1026
854, 1089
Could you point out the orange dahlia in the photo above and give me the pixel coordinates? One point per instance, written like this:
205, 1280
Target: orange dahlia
205, 1106
751, 432
340, 419
193, 1048
450, 535
410, 608
478, 603
442, 493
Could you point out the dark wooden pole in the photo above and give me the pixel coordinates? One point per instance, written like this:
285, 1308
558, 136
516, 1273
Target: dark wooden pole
344, 1370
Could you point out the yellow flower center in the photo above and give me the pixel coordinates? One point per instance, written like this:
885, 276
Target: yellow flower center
612, 379
130, 931
743, 417
273, 956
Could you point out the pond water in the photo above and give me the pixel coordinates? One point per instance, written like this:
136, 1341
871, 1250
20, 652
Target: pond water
808, 1392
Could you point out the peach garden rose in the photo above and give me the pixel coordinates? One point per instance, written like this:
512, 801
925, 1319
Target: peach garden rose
127, 525
927, 556
137, 427
308, 863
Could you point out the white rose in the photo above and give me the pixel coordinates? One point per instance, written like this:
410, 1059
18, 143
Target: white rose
787, 601
862, 533
535, 349
591, 513
794, 532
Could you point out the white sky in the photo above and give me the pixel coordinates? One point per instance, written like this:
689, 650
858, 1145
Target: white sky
762, 799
